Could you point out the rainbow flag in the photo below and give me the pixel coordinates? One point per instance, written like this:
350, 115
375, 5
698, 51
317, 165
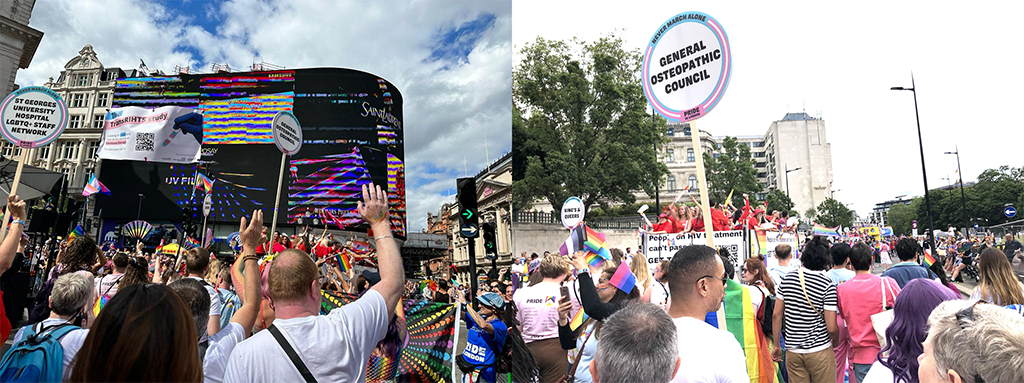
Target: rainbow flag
762, 242
360, 247
822, 230
741, 322
595, 243
204, 182
190, 243
102, 301
928, 258
343, 262
94, 186
623, 278
578, 319
79, 231
594, 259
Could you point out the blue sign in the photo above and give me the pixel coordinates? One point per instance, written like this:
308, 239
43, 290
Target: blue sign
469, 231
1010, 211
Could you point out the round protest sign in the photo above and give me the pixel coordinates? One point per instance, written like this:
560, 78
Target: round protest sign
287, 133
686, 66
32, 116
207, 205
572, 212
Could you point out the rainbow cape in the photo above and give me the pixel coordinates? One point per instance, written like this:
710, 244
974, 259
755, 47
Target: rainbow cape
741, 321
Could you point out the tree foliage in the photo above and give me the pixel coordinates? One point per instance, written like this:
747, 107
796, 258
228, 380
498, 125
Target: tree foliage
901, 217
811, 213
733, 170
582, 128
778, 200
832, 213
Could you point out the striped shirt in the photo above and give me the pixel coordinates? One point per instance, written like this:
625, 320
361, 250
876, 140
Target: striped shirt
803, 329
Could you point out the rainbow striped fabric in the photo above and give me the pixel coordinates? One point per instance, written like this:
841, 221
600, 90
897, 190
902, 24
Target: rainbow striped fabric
204, 182
595, 243
741, 321
578, 319
822, 230
343, 262
929, 260
102, 301
595, 260
78, 232
94, 186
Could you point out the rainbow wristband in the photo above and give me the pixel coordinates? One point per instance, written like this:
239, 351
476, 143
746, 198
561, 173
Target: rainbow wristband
18, 221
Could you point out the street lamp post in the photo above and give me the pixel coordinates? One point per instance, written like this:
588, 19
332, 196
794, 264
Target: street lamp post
788, 170
138, 215
924, 172
963, 198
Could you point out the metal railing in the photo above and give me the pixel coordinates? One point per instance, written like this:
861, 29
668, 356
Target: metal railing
555, 218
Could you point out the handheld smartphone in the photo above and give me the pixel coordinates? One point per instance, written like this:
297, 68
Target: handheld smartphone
565, 291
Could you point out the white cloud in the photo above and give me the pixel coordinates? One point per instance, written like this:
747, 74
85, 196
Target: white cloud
449, 106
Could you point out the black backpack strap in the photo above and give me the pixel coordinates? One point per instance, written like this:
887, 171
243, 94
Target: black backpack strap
294, 356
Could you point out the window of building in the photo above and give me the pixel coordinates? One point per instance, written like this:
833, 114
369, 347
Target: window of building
671, 183
111, 76
758, 154
43, 153
8, 150
68, 150
716, 155
693, 182
74, 121
689, 155
101, 99
97, 121
94, 146
82, 80
686, 130
78, 100
670, 156
758, 144
671, 131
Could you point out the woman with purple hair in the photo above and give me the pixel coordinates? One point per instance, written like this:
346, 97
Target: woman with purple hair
907, 332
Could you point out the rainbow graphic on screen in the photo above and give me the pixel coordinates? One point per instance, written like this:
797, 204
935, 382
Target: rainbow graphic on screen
243, 120
396, 194
333, 181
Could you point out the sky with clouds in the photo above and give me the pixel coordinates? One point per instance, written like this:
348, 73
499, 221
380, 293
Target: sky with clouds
450, 59
841, 59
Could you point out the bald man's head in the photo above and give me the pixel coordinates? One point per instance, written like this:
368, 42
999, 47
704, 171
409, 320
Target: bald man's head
291, 276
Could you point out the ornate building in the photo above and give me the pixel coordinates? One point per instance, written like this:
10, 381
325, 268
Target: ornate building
88, 88
18, 41
494, 202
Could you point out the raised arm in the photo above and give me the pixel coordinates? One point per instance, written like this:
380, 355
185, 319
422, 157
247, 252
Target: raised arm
10, 245
247, 265
374, 209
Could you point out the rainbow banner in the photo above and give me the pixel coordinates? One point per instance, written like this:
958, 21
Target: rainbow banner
741, 322
822, 230
424, 343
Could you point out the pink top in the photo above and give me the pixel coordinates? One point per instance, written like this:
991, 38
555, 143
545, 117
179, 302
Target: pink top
859, 298
538, 311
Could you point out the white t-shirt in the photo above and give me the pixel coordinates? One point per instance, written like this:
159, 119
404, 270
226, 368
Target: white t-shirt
708, 354
72, 342
755, 296
538, 311
660, 294
335, 347
221, 345
878, 374
778, 273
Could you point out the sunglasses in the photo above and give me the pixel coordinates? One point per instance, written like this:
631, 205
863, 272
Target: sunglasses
964, 318
723, 279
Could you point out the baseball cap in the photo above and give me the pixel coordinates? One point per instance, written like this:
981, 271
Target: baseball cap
491, 299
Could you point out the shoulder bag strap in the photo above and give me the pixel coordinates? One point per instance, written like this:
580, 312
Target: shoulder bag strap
579, 354
808, 297
109, 287
294, 356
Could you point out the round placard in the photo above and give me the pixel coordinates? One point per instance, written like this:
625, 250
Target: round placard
287, 133
33, 116
686, 66
572, 212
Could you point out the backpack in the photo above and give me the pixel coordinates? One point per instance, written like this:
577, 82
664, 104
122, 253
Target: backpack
37, 357
765, 313
41, 304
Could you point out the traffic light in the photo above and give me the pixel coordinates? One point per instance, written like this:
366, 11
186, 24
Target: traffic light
490, 240
468, 222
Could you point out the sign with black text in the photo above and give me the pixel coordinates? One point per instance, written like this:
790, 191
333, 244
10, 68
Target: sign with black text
33, 116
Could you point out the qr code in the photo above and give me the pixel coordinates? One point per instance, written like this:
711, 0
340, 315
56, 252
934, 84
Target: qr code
734, 251
144, 141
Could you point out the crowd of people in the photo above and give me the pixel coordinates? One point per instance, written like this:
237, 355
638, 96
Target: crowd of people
130, 316
688, 217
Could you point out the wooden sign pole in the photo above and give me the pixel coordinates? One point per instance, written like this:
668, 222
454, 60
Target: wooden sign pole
14, 191
277, 202
702, 183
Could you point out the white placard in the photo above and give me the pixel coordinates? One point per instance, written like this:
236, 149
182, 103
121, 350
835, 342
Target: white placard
686, 66
287, 133
164, 134
33, 116
207, 205
572, 212
660, 247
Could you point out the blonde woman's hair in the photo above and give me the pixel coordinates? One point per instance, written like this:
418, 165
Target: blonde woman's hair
640, 270
998, 283
213, 272
553, 266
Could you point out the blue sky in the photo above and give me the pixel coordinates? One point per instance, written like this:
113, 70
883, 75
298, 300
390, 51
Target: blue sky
450, 59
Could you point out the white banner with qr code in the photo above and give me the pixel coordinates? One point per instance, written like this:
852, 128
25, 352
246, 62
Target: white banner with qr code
659, 247
167, 134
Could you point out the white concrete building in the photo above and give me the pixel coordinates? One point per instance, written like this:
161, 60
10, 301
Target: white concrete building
799, 141
18, 41
88, 88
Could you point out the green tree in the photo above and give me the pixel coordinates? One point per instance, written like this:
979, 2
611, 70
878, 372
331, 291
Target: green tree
811, 213
832, 213
584, 125
778, 200
901, 216
733, 170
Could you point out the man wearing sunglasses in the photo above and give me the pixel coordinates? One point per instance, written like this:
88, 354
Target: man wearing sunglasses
696, 280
